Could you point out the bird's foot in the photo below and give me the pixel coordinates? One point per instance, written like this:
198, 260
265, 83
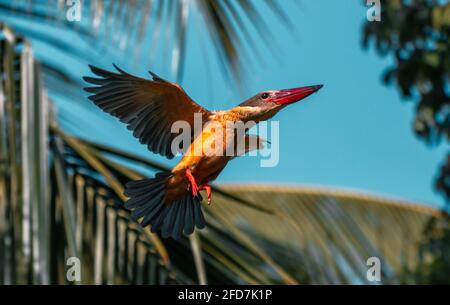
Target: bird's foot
192, 183
208, 190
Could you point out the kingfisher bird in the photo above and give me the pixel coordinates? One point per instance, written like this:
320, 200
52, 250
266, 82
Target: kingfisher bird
171, 202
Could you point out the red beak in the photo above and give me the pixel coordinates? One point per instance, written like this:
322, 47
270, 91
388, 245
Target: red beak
289, 96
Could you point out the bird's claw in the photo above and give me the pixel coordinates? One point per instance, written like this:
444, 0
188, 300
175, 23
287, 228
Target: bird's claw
192, 186
208, 190
195, 189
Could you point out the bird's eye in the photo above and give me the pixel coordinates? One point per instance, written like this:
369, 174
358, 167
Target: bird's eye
265, 96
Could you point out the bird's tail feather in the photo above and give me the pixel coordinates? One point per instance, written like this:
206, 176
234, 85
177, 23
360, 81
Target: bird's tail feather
147, 201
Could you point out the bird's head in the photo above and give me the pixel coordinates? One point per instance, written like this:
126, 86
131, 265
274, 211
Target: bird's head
266, 104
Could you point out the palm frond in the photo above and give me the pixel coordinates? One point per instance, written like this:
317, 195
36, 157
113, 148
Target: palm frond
312, 236
135, 27
44, 221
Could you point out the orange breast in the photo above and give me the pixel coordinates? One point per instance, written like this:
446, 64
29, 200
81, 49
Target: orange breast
204, 167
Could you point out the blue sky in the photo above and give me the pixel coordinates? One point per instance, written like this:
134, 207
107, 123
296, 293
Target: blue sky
356, 133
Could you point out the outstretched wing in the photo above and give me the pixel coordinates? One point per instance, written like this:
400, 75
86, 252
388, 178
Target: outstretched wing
148, 107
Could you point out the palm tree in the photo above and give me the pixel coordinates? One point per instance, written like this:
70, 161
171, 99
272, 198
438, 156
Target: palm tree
61, 196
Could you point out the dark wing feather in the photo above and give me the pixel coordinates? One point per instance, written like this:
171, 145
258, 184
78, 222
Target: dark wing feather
148, 107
